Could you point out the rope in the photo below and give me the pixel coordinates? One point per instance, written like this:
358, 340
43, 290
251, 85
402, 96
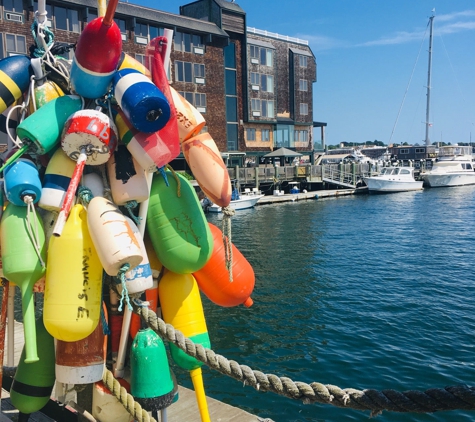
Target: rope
124, 294
32, 227
228, 212
85, 194
134, 408
131, 205
178, 184
432, 400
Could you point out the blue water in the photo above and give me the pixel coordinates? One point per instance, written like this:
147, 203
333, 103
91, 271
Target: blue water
366, 291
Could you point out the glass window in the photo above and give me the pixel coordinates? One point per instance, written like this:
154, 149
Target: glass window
16, 44
267, 108
178, 40
183, 71
13, 5
255, 104
187, 43
267, 83
303, 61
254, 52
255, 78
251, 134
153, 32
231, 109
303, 85
199, 70
264, 82
230, 79
265, 135
91, 16
66, 19
230, 56
304, 109
200, 100
140, 58
141, 29
121, 24
232, 136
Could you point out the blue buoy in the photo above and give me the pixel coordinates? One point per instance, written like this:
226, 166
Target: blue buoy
15, 74
22, 179
144, 105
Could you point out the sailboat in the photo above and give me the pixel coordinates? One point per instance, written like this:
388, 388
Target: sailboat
454, 165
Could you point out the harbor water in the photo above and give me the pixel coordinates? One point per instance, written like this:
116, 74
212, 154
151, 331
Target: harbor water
364, 291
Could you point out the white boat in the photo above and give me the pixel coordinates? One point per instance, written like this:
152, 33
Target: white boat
454, 167
239, 201
393, 179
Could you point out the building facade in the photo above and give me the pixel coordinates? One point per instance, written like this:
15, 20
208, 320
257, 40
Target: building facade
253, 88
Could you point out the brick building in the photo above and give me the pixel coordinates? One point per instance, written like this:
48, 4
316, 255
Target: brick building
253, 88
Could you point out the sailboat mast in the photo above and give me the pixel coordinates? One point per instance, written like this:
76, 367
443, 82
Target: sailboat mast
427, 140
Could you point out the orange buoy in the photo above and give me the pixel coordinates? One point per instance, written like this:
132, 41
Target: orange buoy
214, 279
209, 170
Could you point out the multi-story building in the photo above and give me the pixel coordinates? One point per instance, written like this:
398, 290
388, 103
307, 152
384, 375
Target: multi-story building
253, 88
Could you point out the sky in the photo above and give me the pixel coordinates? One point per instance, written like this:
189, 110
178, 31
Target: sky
372, 64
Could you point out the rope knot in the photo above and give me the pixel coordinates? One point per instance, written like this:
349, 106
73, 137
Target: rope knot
124, 294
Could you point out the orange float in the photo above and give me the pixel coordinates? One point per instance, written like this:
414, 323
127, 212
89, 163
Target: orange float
214, 281
209, 170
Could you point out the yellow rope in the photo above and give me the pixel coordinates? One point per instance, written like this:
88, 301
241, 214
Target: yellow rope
178, 184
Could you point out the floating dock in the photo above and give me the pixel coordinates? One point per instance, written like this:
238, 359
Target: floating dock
185, 409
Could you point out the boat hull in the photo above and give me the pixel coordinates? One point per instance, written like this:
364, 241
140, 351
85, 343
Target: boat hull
386, 186
448, 180
245, 202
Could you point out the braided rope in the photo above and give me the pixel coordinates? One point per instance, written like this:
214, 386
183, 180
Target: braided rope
134, 408
432, 400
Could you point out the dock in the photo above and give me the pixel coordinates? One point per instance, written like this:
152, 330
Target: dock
185, 409
304, 196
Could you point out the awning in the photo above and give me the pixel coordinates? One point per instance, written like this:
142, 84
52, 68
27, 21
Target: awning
283, 152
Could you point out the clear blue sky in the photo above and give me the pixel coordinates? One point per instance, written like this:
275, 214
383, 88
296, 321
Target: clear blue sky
366, 52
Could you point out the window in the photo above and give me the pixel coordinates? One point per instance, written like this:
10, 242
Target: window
267, 83
195, 98
404, 151
301, 136
187, 42
183, 71
141, 29
16, 44
200, 100
91, 15
13, 6
420, 150
121, 24
303, 85
303, 61
250, 134
255, 78
140, 58
265, 135
267, 109
198, 70
265, 56
254, 52
66, 19
304, 109
255, 104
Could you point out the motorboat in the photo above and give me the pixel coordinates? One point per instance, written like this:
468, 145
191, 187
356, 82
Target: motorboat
239, 200
393, 179
454, 167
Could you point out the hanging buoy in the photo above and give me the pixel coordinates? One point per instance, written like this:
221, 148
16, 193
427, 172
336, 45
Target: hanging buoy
206, 139
82, 361
106, 407
112, 235
126, 177
33, 382
24, 263
177, 225
89, 136
128, 62
142, 102
181, 307
45, 90
190, 120
15, 72
96, 55
209, 170
73, 288
214, 279
151, 383
56, 181
22, 179
149, 149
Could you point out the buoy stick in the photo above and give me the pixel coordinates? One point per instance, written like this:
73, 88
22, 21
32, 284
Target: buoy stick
124, 338
11, 326
3, 326
197, 379
14, 156
70, 193
108, 18
41, 13
101, 7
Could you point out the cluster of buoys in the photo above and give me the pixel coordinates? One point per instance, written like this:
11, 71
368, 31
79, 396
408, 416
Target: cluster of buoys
90, 199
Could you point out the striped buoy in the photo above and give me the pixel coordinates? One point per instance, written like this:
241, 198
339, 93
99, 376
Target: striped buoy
142, 102
128, 62
56, 181
15, 74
